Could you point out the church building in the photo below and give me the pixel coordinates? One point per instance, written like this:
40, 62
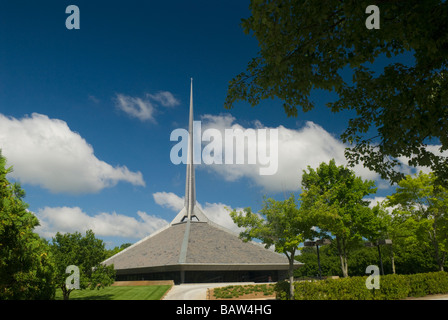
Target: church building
193, 249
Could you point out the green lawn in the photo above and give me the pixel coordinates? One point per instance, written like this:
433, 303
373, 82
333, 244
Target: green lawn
118, 293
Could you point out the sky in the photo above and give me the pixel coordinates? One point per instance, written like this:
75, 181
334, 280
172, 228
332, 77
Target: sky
86, 114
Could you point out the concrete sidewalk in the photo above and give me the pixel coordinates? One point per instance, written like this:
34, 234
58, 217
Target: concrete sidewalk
430, 297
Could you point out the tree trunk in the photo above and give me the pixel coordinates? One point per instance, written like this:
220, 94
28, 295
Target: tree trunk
392, 260
443, 260
65, 292
291, 275
433, 237
342, 257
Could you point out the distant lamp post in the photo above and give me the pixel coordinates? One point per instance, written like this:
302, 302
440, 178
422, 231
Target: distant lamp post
317, 243
378, 244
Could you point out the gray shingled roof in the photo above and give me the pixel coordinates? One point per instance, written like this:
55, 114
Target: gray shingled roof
160, 249
205, 244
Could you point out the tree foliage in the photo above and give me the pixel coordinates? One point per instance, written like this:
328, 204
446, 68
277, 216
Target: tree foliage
85, 252
311, 45
278, 223
26, 268
30, 267
333, 200
422, 202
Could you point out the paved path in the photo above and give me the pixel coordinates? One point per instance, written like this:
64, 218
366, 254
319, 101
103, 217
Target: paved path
195, 291
430, 297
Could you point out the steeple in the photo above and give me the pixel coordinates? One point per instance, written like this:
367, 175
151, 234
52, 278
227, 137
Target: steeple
190, 192
191, 211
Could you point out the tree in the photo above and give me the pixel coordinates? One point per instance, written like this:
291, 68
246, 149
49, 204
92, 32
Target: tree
86, 253
279, 223
423, 200
26, 269
330, 264
400, 108
412, 252
332, 198
115, 250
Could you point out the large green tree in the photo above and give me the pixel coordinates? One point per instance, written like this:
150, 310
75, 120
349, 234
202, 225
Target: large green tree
412, 251
278, 223
333, 199
26, 268
314, 45
424, 202
86, 253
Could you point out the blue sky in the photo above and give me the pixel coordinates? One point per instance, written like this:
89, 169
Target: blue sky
86, 115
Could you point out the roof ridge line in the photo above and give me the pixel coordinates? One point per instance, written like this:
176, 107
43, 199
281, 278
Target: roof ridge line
184, 247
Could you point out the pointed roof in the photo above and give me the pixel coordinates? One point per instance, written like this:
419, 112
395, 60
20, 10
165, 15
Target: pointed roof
198, 245
192, 242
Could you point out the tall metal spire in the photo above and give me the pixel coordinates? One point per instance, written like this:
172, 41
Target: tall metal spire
190, 188
190, 212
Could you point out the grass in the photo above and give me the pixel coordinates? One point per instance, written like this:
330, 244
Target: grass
118, 293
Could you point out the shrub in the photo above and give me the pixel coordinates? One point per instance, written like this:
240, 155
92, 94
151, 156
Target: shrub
238, 291
417, 284
282, 290
332, 289
392, 287
437, 283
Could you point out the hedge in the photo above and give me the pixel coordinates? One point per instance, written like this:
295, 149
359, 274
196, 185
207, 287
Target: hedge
392, 287
238, 291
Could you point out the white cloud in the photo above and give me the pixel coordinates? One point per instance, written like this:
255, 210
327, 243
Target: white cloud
136, 107
71, 219
219, 213
165, 98
297, 149
144, 109
169, 200
216, 212
46, 152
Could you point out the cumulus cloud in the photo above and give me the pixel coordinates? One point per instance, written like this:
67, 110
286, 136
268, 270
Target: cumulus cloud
169, 200
165, 98
46, 152
219, 213
72, 219
104, 224
216, 212
297, 149
145, 108
136, 107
